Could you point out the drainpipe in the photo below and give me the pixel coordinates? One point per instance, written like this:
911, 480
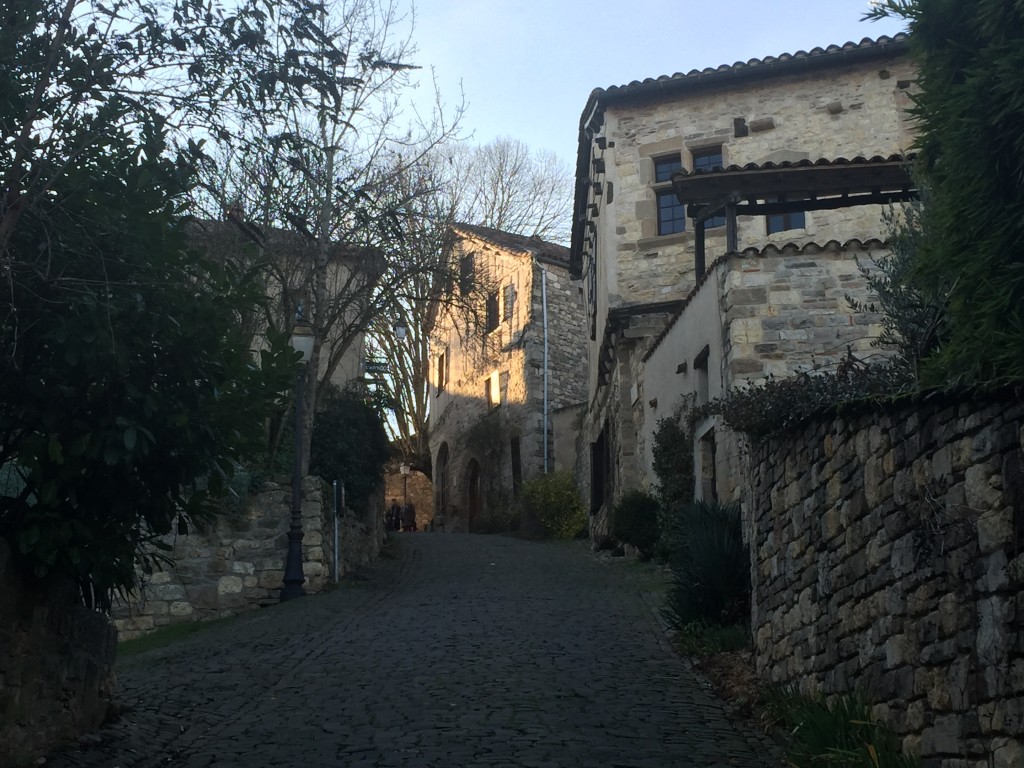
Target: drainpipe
544, 310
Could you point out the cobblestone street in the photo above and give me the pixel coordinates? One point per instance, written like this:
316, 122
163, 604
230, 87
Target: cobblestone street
458, 651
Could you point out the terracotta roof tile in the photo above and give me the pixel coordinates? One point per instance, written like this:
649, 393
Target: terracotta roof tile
751, 64
522, 243
820, 163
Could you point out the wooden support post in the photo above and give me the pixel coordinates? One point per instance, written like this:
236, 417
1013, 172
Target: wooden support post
731, 234
699, 260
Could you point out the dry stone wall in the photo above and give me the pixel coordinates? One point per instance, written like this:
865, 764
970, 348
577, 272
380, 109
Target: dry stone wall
56, 664
238, 563
415, 486
887, 558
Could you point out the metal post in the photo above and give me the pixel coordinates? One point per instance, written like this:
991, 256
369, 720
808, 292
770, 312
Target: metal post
335, 484
293, 576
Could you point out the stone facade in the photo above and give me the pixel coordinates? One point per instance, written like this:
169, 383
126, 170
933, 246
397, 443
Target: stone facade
832, 103
887, 558
238, 563
56, 665
487, 424
763, 312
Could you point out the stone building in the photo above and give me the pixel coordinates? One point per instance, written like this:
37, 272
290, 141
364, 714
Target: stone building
505, 359
718, 221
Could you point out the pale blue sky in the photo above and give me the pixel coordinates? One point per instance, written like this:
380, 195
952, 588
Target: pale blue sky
527, 66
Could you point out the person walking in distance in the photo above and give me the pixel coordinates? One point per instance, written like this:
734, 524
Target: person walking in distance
409, 517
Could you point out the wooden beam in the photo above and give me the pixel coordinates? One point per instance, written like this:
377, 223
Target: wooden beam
699, 250
731, 230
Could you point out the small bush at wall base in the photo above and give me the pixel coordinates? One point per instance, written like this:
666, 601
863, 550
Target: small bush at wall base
635, 521
710, 567
553, 500
840, 733
698, 638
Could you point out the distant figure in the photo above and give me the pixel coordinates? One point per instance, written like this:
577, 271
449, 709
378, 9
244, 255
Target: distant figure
409, 517
394, 516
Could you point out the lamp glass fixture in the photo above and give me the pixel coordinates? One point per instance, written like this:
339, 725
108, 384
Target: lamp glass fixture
302, 341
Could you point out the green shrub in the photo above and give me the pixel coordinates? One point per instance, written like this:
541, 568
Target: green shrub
635, 521
553, 500
349, 444
672, 455
698, 638
710, 567
840, 733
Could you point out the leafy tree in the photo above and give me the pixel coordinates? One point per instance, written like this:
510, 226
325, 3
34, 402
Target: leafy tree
914, 322
128, 391
349, 443
970, 116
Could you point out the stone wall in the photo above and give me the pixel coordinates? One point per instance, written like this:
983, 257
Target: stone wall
238, 563
56, 664
887, 557
418, 489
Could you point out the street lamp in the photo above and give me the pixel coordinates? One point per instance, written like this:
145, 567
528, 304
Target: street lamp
404, 468
401, 329
302, 342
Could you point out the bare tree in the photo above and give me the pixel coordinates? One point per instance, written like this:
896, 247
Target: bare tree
507, 186
324, 185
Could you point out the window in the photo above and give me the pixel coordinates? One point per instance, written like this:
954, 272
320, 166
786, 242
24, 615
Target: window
467, 274
442, 371
492, 389
781, 222
671, 213
509, 301
664, 167
491, 314
707, 159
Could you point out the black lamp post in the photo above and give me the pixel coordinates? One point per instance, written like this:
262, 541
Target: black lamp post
302, 342
405, 469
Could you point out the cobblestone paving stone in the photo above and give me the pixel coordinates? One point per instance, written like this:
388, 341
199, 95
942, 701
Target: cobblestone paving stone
461, 651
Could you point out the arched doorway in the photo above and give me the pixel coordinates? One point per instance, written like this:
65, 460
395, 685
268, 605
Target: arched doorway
441, 484
473, 501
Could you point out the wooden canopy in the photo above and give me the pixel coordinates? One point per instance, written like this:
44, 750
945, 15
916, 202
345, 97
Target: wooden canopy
788, 187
